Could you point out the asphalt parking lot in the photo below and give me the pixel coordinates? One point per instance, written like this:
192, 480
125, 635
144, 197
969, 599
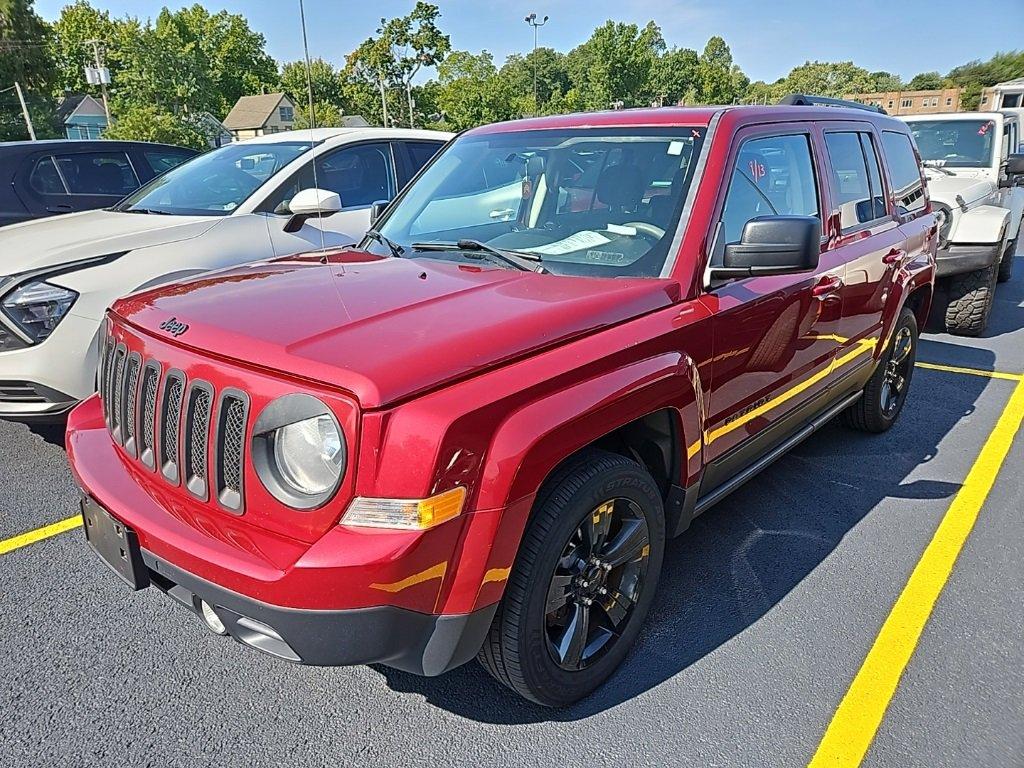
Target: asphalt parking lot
767, 608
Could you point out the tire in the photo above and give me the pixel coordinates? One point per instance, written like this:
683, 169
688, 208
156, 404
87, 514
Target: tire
1006, 263
875, 411
520, 650
970, 301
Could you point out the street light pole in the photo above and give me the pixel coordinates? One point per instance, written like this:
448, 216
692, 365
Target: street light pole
532, 21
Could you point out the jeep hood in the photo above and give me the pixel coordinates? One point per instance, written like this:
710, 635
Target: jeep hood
57, 240
944, 189
384, 329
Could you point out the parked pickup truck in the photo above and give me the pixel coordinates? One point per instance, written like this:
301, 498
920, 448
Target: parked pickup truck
974, 180
473, 433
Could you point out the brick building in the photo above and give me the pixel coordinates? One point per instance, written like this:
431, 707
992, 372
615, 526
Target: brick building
912, 102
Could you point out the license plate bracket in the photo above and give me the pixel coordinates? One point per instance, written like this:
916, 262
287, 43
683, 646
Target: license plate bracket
115, 543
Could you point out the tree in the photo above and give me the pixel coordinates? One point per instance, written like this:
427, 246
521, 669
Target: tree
329, 102
977, 75
717, 82
471, 91
552, 80
421, 44
674, 76
374, 62
79, 23
926, 81
25, 59
824, 78
882, 81
146, 122
615, 64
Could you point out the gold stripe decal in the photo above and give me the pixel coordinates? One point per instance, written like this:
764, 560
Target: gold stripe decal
862, 346
431, 573
496, 574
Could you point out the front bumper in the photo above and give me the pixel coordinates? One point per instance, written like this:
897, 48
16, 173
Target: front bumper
46, 380
957, 259
349, 598
423, 644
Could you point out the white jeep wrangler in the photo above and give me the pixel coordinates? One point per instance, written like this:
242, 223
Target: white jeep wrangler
976, 183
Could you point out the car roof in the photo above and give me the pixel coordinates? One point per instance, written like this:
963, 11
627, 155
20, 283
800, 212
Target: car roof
344, 135
79, 143
684, 117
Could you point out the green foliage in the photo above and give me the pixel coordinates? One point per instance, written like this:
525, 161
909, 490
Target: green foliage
717, 83
148, 122
976, 75
674, 76
25, 58
926, 81
472, 92
824, 78
615, 65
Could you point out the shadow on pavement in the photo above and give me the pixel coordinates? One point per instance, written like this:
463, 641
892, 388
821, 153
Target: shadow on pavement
741, 558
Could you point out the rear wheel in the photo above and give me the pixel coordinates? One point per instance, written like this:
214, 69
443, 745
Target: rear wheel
886, 391
582, 583
1006, 263
970, 298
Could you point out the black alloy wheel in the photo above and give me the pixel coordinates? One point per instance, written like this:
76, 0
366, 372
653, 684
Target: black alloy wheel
897, 372
596, 583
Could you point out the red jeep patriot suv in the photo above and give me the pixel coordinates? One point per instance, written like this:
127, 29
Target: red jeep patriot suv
472, 434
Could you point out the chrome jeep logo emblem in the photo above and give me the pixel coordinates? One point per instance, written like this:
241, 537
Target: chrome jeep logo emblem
174, 327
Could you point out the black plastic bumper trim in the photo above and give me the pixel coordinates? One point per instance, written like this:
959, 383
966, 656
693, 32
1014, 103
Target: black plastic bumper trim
420, 643
958, 259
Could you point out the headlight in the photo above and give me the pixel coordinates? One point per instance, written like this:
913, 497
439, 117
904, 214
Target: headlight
299, 451
37, 307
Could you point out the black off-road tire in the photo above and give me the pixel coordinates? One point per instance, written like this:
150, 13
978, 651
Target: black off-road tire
1006, 263
869, 414
516, 649
970, 301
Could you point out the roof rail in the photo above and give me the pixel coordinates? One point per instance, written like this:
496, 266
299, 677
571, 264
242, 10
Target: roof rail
807, 100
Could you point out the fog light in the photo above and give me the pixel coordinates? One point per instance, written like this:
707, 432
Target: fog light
212, 619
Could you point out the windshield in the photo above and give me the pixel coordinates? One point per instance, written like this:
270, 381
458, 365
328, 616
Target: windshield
216, 183
955, 143
602, 202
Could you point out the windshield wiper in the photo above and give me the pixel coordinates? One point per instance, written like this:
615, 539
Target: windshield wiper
144, 210
928, 166
391, 245
528, 262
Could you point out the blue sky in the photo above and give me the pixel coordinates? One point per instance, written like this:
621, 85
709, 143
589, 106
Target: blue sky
767, 38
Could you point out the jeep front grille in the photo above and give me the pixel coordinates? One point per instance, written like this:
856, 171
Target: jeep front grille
175, 425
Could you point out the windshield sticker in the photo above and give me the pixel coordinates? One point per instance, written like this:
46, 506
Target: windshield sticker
675, 148
984, 128
577, 242
757, 170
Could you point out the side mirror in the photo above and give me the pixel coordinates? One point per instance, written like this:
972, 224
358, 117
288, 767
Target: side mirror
311, 203
376, 209
772, 245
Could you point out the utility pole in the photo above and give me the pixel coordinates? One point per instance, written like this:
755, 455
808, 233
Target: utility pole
100, 74
24, 111
532, 21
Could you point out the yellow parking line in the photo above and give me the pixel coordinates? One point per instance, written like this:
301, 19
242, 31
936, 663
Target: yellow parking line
971, 371
24, 539
856, 721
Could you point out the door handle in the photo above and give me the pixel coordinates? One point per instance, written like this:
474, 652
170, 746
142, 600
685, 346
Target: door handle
58, 208
827, 287
893, 256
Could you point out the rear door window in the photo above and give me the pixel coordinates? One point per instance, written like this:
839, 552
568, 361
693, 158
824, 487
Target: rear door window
905, 173
45, 179
856, 179
97, 173
772, 176
420, 153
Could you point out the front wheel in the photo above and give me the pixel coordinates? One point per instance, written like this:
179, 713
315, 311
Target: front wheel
970, 301
582, 583
886, 391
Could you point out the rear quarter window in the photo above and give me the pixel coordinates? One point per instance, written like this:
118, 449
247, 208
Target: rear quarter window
907, 182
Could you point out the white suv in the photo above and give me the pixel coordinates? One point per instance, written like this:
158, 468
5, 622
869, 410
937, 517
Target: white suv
243, 202
974, 180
